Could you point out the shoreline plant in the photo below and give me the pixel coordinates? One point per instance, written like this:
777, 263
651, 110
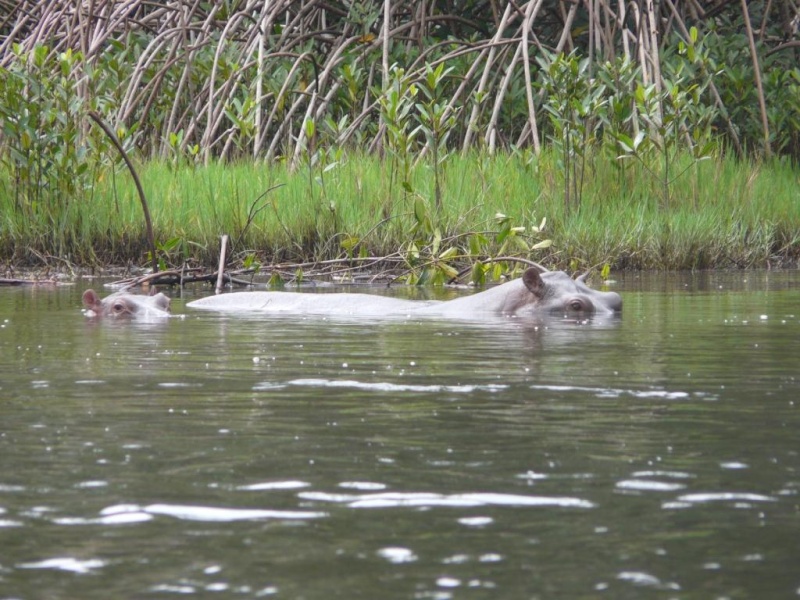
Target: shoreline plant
729, 216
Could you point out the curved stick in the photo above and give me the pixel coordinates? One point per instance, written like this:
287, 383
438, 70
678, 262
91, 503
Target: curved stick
148, 222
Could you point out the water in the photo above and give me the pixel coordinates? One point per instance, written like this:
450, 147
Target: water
654, 456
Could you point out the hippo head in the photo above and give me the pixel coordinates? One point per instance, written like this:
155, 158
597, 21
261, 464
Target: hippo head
557, 293
125, 305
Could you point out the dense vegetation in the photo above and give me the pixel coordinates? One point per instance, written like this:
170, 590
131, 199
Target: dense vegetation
647, 134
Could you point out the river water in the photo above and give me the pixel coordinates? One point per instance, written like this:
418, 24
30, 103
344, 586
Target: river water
650, 456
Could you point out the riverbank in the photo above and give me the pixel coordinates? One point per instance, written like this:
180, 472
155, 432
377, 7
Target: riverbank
718, 214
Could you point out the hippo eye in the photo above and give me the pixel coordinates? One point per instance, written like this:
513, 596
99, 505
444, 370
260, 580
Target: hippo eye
576, 305
118, 307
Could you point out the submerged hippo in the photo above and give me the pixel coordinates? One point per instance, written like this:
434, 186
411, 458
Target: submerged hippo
125, 304
535, 293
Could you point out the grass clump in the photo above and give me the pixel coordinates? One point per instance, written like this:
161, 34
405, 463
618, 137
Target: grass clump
726, 214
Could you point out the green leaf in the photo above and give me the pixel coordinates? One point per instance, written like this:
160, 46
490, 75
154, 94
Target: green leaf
448, 271
479, 274
625, 142
639, 139
521, 244
275, 279
437, 241
503, 233
350, 242
169, 245
423, 277
497, 271
477, 242
449, 253
639, 94
420, 210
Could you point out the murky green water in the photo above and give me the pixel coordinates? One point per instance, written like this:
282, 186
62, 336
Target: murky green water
655, 456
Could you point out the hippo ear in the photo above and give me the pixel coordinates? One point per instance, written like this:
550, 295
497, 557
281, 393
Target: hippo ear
162, 302
533, 281
91, 299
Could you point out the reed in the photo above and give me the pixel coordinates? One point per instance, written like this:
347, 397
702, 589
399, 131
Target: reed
722, 213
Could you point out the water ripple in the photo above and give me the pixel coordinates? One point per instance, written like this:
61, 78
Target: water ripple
65, 564
273, 485
725, 497
362, 485
659, 473
429, 499
739, 499
209, 513
397, 555
615, 392
382, 386
645, 579
647, 485
122, 514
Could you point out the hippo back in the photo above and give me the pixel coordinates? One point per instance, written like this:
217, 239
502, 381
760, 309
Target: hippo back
535, 293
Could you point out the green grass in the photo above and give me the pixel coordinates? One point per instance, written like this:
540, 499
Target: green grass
720, 213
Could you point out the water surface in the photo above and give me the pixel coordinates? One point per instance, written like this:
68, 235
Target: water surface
651, 456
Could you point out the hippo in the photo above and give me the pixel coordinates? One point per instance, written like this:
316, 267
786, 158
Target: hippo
125, 305
537, 292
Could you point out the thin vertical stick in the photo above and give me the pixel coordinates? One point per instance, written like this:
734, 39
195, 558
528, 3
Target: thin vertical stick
565, 32
387, 14
487, 72
262, 42
491, 130
655, 59
530, 15
221, 271
757, 73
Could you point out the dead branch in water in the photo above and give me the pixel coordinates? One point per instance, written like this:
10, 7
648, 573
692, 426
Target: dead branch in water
369, 269
180, 278
15, 282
